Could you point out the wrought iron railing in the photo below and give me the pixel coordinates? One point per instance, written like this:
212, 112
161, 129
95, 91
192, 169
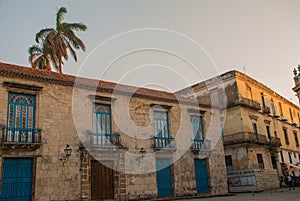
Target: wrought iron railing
200, 144
164, 142
105, 139
248, 137
21, 135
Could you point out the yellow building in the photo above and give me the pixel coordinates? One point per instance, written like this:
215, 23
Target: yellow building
260, 130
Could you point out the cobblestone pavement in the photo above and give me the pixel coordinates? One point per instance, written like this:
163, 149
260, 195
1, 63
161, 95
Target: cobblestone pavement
275, 195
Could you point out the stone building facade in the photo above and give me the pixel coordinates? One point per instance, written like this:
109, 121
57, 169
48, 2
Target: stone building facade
71, 138
260, 130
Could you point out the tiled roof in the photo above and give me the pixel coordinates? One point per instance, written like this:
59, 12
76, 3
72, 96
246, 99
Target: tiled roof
22, 72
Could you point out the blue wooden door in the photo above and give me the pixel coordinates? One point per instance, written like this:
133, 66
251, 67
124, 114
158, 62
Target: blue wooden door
201, 176
16, 179
102, 125
164, 178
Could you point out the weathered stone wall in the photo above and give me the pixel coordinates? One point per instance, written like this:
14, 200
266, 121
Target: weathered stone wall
65, 119
53, 181
266, 179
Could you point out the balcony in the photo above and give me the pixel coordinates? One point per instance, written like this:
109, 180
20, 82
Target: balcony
275, 141
282, 118
20, 138
266, 110
248, 137
166, 143
246, 103
104, 140
200, 145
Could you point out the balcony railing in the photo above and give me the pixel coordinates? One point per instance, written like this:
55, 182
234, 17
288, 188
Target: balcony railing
164, 142
266, 110
246, 103
107, 139
200, 144
248, 137
21, 136
275, 141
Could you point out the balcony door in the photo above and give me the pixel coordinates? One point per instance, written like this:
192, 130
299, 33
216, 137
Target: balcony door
162, 137
102, 125
20, 118
198, 134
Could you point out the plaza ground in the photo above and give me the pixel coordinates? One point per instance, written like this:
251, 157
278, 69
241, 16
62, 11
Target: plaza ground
283, 194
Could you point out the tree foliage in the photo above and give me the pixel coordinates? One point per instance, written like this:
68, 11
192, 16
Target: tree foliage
57, 43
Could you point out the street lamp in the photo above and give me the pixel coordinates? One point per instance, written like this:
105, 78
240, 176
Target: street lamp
67, 154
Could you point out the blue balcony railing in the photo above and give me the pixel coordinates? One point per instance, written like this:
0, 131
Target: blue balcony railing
200, 144
21, 135
107, 139
164, 142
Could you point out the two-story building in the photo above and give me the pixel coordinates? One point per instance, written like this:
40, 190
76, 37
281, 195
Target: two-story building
70, 138
260, 130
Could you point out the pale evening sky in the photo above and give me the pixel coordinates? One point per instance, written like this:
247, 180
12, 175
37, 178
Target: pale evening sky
166, 44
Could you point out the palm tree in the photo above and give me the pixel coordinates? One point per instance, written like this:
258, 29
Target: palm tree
58, 41
39, 58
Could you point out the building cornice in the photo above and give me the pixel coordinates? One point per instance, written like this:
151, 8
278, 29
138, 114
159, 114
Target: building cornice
43, 76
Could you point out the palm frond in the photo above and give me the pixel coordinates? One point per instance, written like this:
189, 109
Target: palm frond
74, 26
31, 58
60, 16
42, 34
74, 40
73, 53
35, 49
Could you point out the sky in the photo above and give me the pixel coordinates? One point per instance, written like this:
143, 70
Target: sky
166, 44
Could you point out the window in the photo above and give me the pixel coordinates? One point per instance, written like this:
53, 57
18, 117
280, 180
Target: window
273, 108
260, 161
263, 100
197, 127
286, 137
254, 126
281, 156
198, 134
20, 118
290, 157
101, 134
291, 115
274, 162
296, 138
269, 133
275, 134
228, 161
162, 136
280, 108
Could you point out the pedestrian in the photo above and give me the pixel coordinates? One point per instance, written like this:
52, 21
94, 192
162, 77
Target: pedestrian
281, 181
289, 178
291, 183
